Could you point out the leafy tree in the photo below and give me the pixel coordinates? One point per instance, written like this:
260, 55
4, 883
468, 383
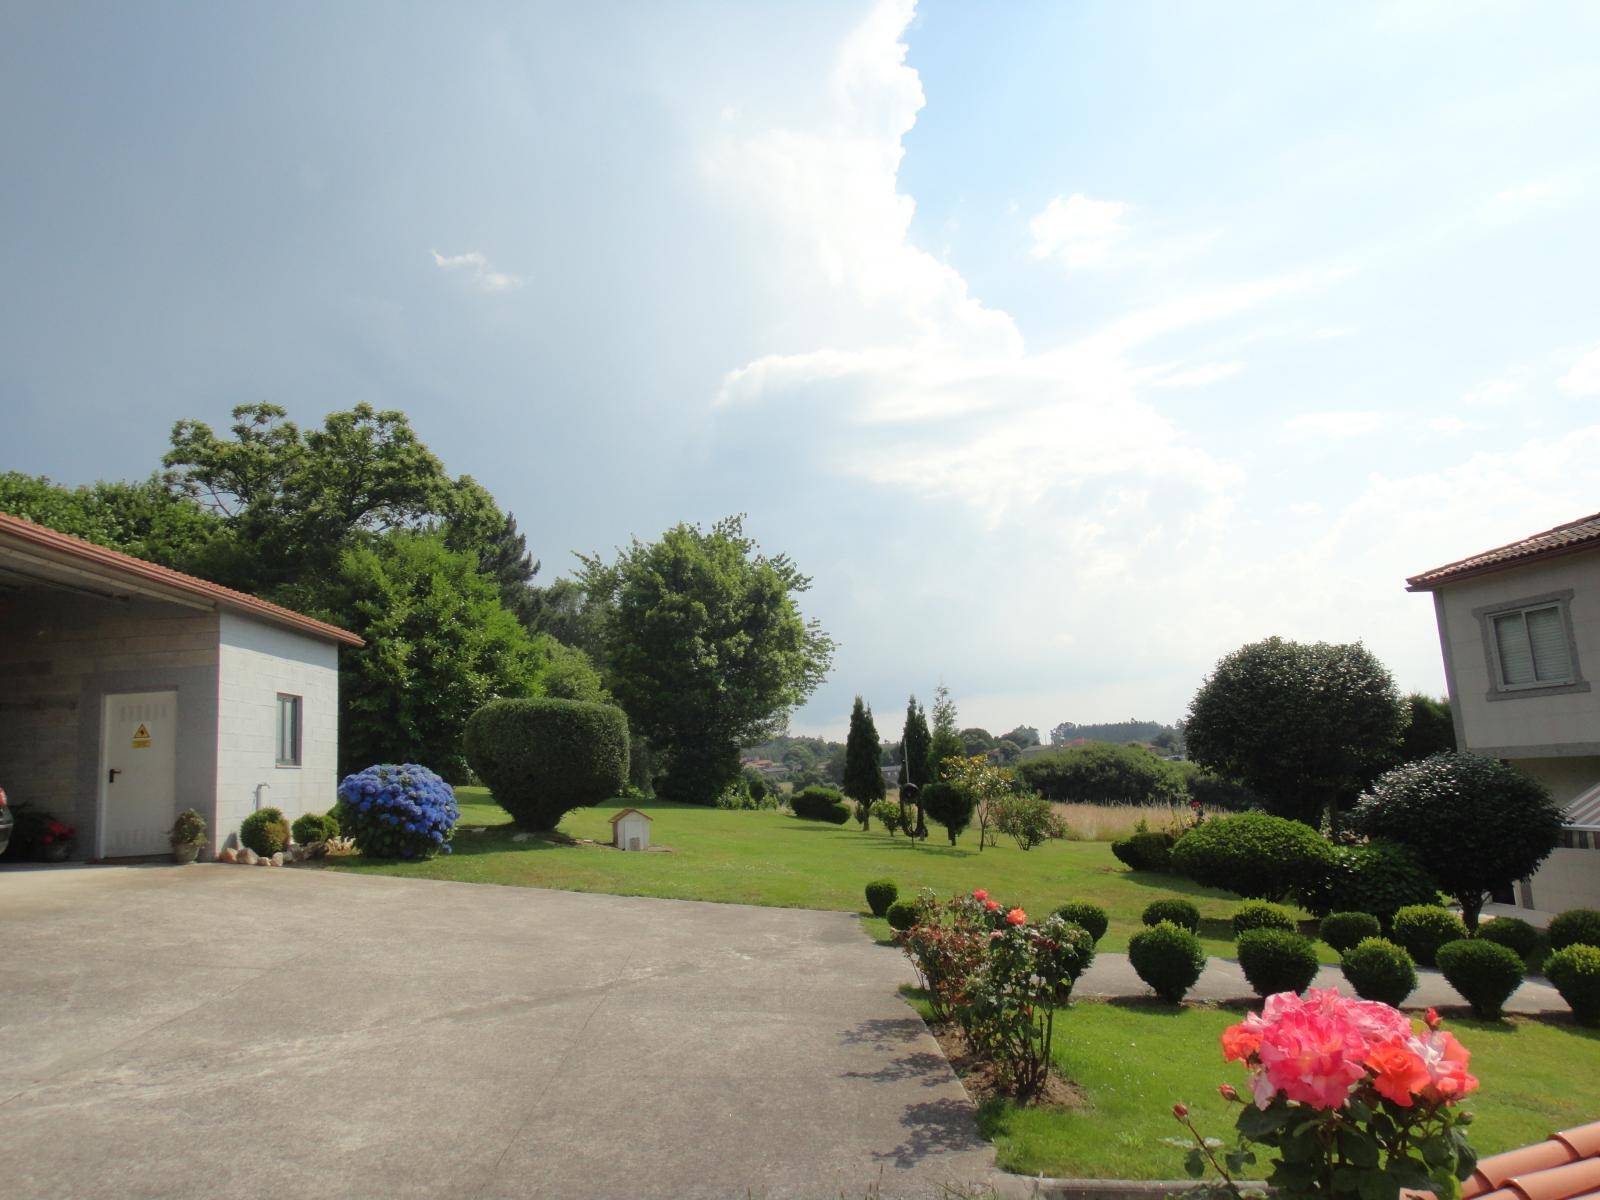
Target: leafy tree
987, 785
706, 648
575, 612
1477, 824
946, 742
1304, 726
1119, 732
144, 519
863, 777
915, 743
1101, 773
977, 741
1006, 752
1431, 731
569, 675
1023, 735
950, 806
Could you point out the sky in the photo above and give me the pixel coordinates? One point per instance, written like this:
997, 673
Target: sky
1067, 347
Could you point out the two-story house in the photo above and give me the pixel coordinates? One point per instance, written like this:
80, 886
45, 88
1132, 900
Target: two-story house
1520, 629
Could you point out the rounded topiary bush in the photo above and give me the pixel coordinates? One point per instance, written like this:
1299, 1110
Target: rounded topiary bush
1483, 972
1342, 930
1145, 850
1575, 972
881, 893
1167, 957
314, 827
1171, 908
1575, 927
1379, 970
1277, 960
542, 758
1378, 878
1090, 917
949, 806
1515, 935
1423, 928
397, 811
1253, 854
1259, 914
817, 803
264, 831
902, 915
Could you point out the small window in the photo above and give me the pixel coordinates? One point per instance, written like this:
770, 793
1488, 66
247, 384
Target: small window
288, 731
1531, 644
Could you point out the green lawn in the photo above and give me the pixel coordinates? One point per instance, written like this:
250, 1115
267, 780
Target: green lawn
776, 859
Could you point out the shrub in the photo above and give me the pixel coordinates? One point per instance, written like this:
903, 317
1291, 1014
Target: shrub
1180, 912
1379, 878
397, 811
949, 806
1343, 930
264, 831
1167, 957
543, 758
1379, 970
1258, 914
1423, 928
817, 803
1575, 927
1277, 960
1085, 915
188, 830
1253, 854
1215, 793
1480, 824
1575, 972
1484, 972
1027, 820
881, 893
887, 813
1146, 849
902, 915
315, 827
1103, 773
947, 944
1517, 936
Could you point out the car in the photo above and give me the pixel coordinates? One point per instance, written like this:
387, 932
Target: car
6, 822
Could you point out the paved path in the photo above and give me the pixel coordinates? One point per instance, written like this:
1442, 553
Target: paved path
232, 1031
1113, 975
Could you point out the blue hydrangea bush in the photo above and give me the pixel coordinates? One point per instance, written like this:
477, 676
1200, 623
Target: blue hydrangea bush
397, 811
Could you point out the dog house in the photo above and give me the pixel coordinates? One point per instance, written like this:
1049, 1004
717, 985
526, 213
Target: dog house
630, 830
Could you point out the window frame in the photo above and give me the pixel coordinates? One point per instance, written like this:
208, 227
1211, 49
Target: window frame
298, 748
1499, 689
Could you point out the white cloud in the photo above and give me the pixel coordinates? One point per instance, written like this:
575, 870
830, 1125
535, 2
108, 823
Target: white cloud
1345, 423
1503, 389
1206, 373
1078, 231
1450, 426
1583, 378
477, 271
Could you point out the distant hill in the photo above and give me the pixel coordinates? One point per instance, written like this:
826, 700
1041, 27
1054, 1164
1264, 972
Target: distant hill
1119, 732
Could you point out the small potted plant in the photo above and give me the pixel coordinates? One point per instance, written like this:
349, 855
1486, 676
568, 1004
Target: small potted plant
187, 836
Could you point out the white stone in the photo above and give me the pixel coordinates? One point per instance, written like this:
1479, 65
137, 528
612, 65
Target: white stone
248, 856
277, 859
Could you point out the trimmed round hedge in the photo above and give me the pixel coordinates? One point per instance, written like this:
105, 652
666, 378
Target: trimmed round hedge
1484, 972
1087, 916
820, 804
1253, 854
1343, 930
397, 811
1179, 912
1575, 927
1146, 850
949, 806
264, 831
544, 757
1277, 960
1423, 928
1379, 970
1168, 958
881, 893
315, 827
1259, 914
1575, 972
1379, 878
1515, 935
902, 915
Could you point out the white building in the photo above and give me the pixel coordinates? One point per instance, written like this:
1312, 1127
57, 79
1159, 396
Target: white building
1520, 629
130, 692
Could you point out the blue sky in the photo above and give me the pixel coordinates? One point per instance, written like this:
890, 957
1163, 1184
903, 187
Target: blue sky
1067, 346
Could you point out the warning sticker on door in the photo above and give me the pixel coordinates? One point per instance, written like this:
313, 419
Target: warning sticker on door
141, 738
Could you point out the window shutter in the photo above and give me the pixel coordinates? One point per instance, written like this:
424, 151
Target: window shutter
1547, 635
1516, 660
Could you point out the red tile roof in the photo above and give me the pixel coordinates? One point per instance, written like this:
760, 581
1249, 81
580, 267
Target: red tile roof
1582, 534
1565, 1166
16, 530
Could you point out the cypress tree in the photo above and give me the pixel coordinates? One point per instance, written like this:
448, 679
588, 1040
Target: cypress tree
863, 778
914, 746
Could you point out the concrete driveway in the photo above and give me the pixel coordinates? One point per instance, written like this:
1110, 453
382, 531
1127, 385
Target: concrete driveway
233, 1031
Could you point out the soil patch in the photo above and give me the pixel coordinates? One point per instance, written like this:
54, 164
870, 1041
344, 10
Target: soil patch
979, 1077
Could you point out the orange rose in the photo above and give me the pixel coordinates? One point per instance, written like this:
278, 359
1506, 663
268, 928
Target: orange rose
1398, 1073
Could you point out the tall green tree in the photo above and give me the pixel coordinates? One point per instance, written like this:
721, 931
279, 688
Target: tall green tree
707, 649
863, 777
143, 519
914, 743
1431, 729
1023, 735
946, 742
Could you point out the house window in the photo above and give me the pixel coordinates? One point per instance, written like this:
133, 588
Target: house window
1531, 646
288, 730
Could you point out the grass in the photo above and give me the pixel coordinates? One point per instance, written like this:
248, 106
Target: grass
1109, 822
1134, 1060
772, 858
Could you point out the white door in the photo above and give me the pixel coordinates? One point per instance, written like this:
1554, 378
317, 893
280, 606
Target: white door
138, 772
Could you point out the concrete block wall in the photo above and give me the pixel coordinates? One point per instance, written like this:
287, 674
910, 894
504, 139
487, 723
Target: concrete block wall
256, 662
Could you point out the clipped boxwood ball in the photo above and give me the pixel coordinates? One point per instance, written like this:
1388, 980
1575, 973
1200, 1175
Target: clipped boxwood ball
817, 803
315, 827
1575, 927
1168, 957
1379, 970
397, 810
1258, 914
264, 831
1086, 916
1146, 850
1343, 930
902, 915
1253, 854
881, 893
1423, 928
1179, 912
1379, 878
1515, 935
542, 758
1575, 972
1483, 972
1276, 960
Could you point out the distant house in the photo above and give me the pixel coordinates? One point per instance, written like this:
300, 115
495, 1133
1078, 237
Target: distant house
1520, 629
